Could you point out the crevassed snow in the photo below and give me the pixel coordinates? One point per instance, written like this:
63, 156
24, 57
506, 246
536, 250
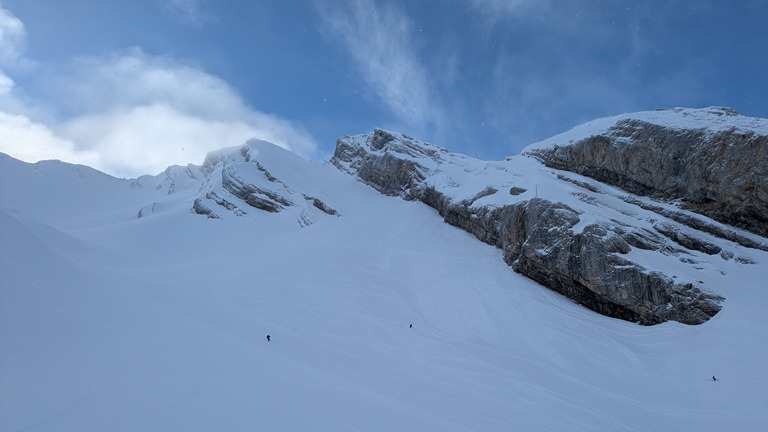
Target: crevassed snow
112, 322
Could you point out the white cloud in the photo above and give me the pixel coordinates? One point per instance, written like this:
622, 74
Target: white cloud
141, 139
6, 85
30, 141
134, 78
128, 113
188, 11
507, 6
13, 39
147, 112
379, 39
131, 114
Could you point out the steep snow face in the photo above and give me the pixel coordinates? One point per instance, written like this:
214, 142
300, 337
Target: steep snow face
111, 321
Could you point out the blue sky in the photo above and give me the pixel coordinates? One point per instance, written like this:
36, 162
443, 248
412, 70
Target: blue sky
130, 87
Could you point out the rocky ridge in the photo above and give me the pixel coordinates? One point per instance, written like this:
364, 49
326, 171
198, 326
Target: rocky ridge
237, 182
588, 241
713, 160
607, 248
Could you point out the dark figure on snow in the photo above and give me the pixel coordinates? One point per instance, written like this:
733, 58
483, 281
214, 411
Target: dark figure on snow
268, 338
411, 326
713, 378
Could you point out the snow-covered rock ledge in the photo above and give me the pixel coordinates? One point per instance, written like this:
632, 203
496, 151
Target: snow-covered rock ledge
713, 160
557, 231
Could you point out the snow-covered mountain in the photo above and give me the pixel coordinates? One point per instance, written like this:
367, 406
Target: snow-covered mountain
144, 304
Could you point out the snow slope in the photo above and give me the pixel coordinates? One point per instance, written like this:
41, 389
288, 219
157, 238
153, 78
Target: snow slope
113, 322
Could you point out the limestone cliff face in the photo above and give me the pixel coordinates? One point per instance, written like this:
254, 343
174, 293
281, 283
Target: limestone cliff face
585, 257
721, 172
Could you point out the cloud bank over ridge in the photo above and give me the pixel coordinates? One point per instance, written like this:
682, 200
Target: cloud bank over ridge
128, 113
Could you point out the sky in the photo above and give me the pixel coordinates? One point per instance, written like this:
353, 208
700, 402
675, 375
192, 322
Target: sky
132, 86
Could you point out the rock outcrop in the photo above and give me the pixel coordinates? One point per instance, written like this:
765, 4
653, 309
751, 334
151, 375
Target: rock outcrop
542, 238
237, 180
714, 167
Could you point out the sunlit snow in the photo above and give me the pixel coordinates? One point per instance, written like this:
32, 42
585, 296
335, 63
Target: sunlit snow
113, 322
